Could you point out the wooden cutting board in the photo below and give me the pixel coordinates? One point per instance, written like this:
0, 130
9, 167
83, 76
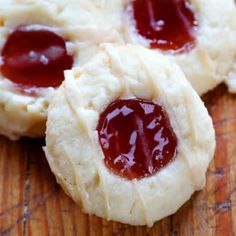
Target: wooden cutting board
31, 203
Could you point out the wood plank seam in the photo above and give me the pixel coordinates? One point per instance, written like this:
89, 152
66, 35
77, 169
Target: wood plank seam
26, 193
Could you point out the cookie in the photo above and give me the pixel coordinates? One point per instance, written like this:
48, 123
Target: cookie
38, 41
127, 136
198, 35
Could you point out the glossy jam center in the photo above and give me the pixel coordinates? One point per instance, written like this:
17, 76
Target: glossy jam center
136, 138
35, 56
166, 24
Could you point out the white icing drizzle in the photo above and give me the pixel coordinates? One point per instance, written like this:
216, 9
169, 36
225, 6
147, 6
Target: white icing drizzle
72, 104
118, 69
104, 190
196, 176
70, 88
79, 184
184, 151
153, 87
148, 220
193, 176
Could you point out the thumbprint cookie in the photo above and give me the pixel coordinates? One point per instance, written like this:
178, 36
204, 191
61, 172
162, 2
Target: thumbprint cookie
198, 35
127, 136
38, 41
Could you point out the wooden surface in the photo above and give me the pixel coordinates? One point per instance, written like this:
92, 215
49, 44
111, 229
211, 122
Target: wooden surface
31, 203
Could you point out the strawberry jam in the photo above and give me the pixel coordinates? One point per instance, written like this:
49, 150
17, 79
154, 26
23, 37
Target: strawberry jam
35, 57
169, 25
136, 138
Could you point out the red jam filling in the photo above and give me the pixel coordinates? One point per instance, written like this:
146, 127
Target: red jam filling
35, 57
169, 25
136, 138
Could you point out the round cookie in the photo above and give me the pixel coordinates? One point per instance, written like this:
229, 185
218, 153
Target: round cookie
211, 57
23, 110
74, 147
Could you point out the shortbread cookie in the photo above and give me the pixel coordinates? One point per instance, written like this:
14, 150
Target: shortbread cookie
199, 35
38, 41
127, 136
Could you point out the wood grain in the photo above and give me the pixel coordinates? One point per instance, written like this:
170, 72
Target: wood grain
31, 203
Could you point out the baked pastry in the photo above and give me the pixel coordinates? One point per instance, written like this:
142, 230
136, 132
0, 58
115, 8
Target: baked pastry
133, 134
198, 35
38, 41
